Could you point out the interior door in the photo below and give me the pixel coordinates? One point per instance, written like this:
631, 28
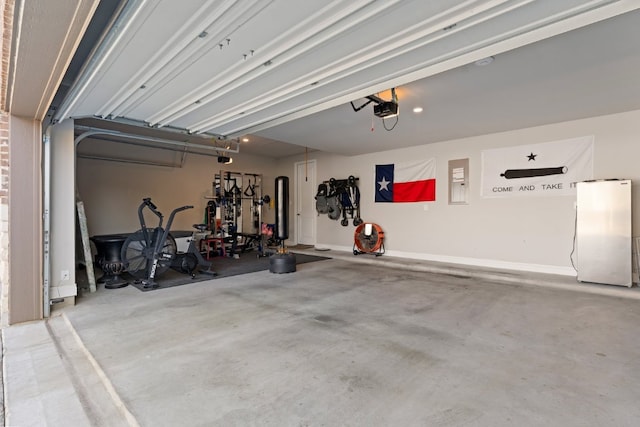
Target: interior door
305, 202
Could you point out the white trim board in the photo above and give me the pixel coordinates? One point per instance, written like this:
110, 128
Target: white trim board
465, 261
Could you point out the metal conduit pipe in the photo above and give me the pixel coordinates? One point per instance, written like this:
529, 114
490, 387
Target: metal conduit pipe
46, 223
136, 162
89, 131
176, 146
155, 147
143, 125
139, 162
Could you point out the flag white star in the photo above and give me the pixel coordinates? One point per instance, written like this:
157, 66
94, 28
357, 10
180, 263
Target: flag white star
384, 184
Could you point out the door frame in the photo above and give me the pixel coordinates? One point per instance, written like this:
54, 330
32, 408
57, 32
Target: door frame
295, 206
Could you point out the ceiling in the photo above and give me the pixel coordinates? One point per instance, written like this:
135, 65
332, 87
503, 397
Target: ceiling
286, 71
587, 72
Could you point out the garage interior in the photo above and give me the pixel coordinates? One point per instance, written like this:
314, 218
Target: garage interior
473, 315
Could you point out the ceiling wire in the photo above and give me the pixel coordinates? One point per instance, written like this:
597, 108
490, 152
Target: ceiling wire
384, 124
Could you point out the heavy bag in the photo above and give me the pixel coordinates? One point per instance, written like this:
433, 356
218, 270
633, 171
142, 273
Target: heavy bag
282, 208
210, 216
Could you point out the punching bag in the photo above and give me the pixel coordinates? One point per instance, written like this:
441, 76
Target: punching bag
283, 261
282, 208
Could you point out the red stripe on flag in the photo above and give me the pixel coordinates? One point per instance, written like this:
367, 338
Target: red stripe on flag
415, 191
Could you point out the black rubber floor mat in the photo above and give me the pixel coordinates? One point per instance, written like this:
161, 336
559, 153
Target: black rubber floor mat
223, 267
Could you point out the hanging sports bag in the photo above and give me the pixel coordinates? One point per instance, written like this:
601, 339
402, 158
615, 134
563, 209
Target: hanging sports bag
322, 204
334, 207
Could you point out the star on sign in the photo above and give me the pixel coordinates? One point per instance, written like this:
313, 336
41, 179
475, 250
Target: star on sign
532, 157
384, 184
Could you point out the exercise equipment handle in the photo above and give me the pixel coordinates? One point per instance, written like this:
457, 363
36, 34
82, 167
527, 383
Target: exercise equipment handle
153, 208
147, 201
149, 204
143, 226
173, 213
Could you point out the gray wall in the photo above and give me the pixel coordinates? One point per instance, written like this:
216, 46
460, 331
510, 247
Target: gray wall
534, 234
112, 191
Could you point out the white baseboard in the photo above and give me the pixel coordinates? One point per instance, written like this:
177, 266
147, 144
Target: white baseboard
63, 291
476, 262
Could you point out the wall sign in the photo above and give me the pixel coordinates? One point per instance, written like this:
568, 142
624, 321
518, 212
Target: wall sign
546, 169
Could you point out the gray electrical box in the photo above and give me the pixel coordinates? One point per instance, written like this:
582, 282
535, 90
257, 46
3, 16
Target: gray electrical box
458, 182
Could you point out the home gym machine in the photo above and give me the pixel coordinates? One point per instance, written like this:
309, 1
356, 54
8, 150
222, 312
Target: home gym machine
239, 198
149, 252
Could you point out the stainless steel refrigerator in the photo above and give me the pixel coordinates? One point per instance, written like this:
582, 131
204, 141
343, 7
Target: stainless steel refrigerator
603, 232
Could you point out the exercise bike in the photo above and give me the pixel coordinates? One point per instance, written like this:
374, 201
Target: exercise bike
149, 252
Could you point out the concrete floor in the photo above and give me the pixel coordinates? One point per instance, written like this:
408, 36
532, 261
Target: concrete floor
335, 343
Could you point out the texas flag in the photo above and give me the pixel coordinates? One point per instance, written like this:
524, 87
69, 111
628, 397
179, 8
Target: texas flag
406, 182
